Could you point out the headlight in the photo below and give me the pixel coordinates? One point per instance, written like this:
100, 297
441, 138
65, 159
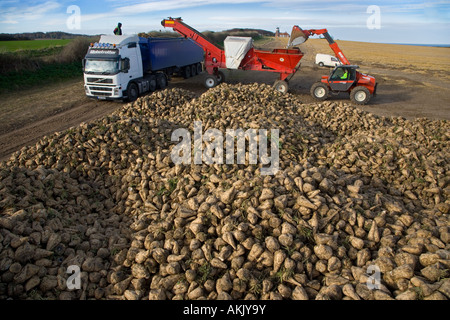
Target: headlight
116, 91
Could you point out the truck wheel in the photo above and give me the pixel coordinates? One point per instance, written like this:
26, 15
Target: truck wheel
321, 64
153, 84
360, 95
281, 86
187, 72
199, 68
193, 70
320, 91
162, 81
210, 81
132, 91
220, 77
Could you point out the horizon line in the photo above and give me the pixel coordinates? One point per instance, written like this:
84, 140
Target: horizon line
100, 34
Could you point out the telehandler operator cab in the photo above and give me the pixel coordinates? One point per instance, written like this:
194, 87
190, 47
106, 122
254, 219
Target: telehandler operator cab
342, 73
342, 78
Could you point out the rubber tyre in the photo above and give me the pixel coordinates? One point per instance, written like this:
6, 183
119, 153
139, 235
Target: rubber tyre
161, 80
319, 91
321, 64
220, 77
281, 86
193, 70
187, 72
360, 95
153, 84
199, 68
132, 91
210, 81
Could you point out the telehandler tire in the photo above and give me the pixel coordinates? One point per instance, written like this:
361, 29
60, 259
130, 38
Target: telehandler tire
360, 95
320, 91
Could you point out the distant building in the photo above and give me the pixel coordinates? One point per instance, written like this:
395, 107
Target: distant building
279, 34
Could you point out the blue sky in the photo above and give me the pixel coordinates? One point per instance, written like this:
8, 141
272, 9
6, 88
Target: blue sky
403, 21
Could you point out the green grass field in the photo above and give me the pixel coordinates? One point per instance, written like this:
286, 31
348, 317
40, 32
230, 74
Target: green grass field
50, 73
11, 46
25, 64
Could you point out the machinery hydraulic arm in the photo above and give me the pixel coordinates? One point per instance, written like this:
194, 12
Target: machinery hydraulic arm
299, 36
215, 57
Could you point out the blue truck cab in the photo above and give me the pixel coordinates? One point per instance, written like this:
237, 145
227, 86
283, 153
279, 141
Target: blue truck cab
124, 67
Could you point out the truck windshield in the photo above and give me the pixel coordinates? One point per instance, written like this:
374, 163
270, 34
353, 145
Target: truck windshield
102, 66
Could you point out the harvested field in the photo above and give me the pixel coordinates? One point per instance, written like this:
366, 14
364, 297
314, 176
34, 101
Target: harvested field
354, 192
430, 64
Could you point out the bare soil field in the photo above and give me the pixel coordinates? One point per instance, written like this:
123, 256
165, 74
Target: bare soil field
413, 82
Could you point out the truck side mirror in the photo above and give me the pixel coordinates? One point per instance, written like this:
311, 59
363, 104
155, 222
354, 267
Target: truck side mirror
83, 63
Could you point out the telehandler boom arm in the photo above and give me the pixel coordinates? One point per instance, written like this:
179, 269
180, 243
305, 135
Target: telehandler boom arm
299, 36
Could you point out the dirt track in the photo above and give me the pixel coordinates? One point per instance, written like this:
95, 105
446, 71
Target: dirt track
29, 115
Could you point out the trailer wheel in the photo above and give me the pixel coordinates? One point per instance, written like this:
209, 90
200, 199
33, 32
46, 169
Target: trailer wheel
320, 91
193, 70
321, 64
161, 80
281, 86
360, 95
210, 81
187, 72
199, 68
220, 77
132, 91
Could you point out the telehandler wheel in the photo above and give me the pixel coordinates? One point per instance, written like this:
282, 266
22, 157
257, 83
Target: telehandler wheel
132, 91
211, 81
320, 91
360, 95
281, 86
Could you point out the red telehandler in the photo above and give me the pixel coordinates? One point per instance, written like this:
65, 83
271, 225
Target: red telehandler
343, 78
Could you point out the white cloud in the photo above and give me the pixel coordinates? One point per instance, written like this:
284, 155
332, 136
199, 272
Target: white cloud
14, 15
156, 6
44, 8
9, 22
151, 6
37, 10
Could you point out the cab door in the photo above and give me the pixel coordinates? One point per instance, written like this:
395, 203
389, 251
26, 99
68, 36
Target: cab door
134, 54
338, 83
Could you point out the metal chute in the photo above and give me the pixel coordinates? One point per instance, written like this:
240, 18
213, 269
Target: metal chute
297, 37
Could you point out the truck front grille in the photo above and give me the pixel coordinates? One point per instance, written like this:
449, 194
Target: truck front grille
100, 89
99, 80
103, 94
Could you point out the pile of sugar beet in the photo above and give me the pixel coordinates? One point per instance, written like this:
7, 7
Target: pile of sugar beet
359, 208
